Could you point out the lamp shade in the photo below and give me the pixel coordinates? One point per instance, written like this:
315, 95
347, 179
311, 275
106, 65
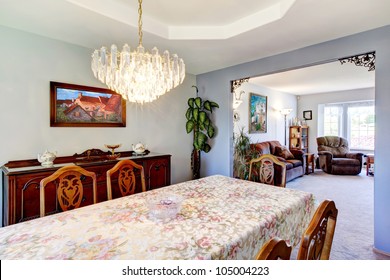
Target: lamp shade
285, 111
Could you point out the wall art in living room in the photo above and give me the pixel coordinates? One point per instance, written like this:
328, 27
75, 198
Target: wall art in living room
307, 115
257, 113
83, 106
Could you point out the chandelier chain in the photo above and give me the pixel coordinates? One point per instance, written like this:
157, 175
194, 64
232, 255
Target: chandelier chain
140, 33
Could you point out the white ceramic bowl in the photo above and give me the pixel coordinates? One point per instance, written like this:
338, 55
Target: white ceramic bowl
164, 206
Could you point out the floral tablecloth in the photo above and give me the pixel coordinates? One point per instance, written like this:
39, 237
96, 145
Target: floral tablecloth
221, 218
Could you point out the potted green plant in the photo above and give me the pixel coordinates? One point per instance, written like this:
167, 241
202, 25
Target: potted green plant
199, 122
242, 154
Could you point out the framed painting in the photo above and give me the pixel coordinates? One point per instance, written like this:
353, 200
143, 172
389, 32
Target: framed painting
307, 115
84, 106
257, 113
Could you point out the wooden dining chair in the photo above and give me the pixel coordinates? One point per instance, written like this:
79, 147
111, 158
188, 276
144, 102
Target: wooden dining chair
264, 169
68, 181
317, 240
275, 249
124, 172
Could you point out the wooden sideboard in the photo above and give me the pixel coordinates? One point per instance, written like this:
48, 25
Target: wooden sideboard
21, 180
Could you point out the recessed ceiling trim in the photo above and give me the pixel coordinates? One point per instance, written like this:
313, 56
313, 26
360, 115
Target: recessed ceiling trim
233, 29
119, 11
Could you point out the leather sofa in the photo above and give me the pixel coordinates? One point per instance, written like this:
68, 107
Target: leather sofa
293, 159
335, 157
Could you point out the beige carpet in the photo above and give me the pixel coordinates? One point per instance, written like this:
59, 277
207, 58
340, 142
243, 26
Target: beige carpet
353, 195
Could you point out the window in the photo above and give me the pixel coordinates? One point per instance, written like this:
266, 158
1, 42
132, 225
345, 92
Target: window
332, 120
354, 121
361, 127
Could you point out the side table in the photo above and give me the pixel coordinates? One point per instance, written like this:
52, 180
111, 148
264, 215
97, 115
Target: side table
310, 161
370, 163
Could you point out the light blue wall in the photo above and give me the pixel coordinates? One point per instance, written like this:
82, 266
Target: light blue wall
30, 62
216, 85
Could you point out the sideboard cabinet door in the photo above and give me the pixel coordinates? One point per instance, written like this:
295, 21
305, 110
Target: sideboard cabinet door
158, 173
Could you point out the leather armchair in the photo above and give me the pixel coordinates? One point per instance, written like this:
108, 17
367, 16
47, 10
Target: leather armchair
335, 157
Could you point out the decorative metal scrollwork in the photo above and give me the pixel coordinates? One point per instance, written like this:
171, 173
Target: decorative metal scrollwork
366, 60
237, 83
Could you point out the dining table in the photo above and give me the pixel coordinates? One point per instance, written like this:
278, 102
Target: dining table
220, 218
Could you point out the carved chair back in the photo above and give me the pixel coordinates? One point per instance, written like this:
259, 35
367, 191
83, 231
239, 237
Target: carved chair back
317, 240
264, 169
275, 249
125, 173
68, 181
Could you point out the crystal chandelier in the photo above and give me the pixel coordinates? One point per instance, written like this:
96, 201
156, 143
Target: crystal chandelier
139, 76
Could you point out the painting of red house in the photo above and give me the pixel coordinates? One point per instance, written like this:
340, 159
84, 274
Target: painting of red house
75, 105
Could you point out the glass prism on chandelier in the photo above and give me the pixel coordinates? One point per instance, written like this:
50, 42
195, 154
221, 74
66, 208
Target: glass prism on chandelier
139, 76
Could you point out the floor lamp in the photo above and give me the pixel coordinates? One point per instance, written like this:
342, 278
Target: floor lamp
285, 112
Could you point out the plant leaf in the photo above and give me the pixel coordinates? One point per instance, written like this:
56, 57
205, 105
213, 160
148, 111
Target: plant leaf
191, 102
207, 121
195, 114
198, 102
189, 113
213, 104
202, 116
206, 148
210, 131
201, 140
207, 105
190, 126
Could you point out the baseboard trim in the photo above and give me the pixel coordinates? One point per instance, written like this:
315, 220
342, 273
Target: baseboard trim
380, 251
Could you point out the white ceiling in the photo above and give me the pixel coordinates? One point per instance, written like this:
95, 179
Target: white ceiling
328, 77
208, 35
